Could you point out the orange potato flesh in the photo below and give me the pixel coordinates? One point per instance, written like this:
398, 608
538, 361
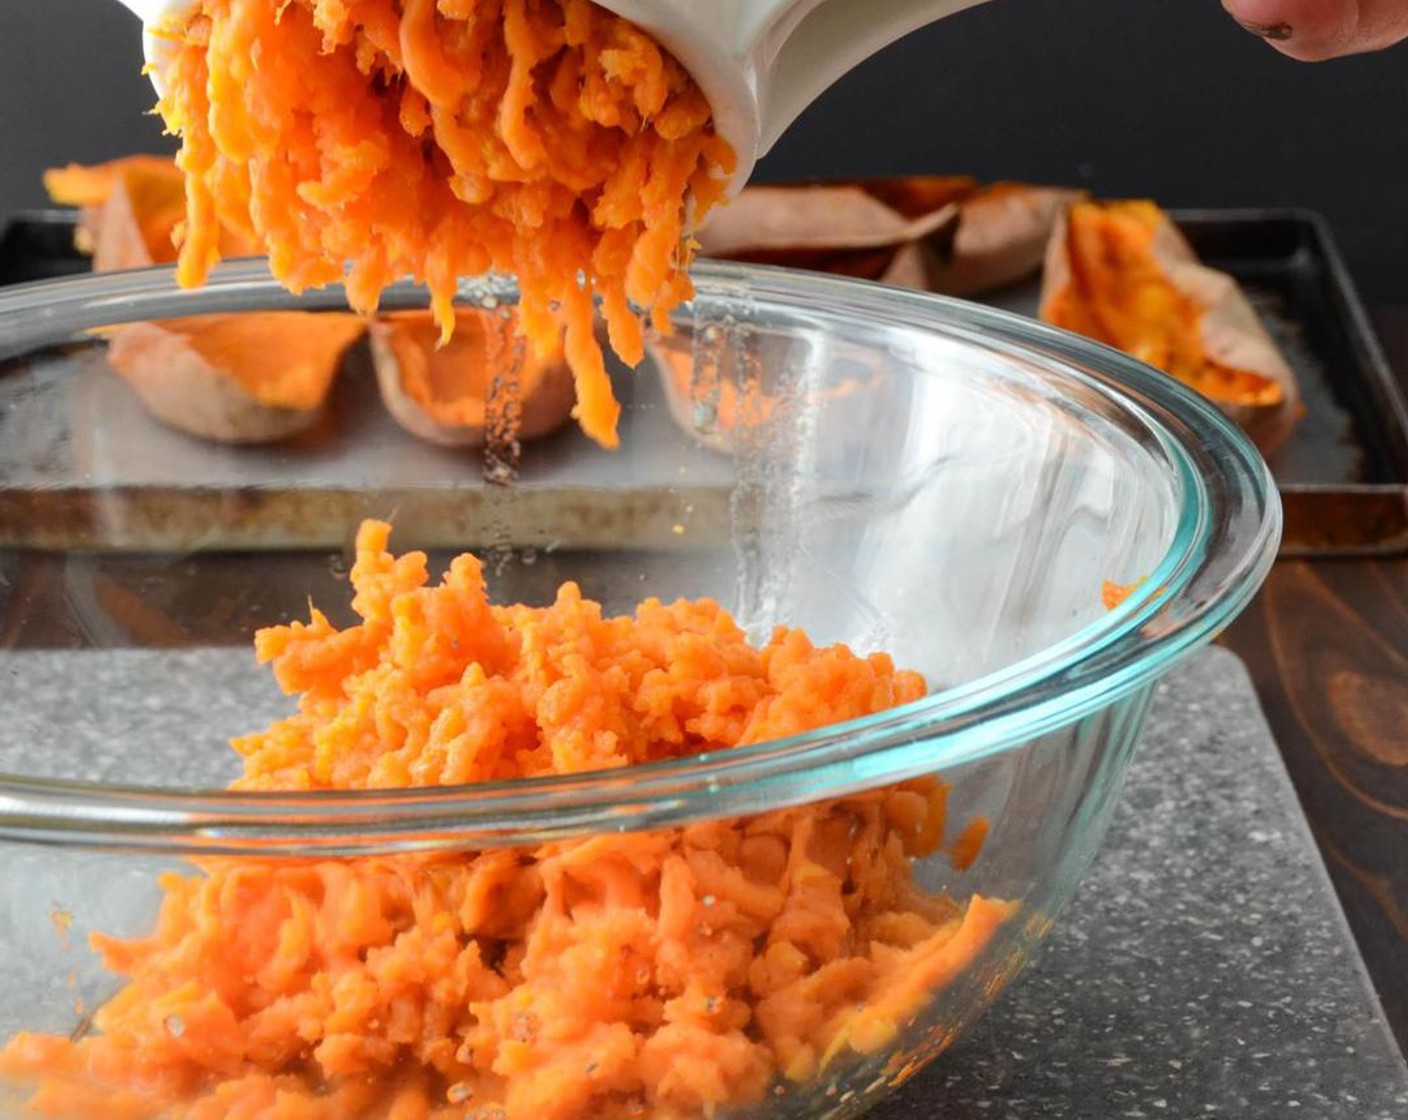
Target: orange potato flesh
1120, 295
441, 392
676, 972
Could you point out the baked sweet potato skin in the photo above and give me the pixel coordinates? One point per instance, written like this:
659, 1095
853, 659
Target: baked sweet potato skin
439, 393
1122, 273
841, 228
244, 379
251, 378
131, 210
946, 234
1000, 238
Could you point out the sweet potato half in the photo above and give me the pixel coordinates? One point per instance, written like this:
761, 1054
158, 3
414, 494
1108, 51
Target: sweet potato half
1122, 273
441, 393
252, 378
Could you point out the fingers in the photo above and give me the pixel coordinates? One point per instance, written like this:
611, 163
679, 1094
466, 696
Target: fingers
1312, 30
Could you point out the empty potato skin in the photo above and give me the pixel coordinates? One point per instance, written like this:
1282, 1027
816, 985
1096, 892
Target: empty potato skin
873, 230
1000, 238
673, 358
185, 392
546, 385
110, 229
407, 412
1235, 337
1232, 331
946, 234
129, 211
116, 236
817, 216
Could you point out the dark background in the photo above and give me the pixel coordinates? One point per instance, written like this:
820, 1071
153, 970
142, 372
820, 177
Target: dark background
1164, 98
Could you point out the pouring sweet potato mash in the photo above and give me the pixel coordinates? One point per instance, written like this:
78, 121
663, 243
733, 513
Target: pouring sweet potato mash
550, 139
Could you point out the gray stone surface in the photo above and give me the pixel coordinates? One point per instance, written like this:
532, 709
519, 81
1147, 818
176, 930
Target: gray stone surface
1204, 969
132, 716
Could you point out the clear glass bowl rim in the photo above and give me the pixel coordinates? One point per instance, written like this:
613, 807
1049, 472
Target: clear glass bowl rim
1202, 582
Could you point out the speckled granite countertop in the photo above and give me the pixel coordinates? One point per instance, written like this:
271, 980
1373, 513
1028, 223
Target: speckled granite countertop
1204, 969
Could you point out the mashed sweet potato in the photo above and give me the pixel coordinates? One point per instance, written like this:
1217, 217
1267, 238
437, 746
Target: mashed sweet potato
670, 973
547, 138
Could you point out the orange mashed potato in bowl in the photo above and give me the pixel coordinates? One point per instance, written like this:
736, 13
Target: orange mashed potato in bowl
678, 972
373, 140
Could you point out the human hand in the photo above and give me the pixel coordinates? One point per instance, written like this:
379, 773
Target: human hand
1313, 30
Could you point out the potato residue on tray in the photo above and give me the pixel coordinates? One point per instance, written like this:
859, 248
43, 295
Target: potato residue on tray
673, 972
548, 138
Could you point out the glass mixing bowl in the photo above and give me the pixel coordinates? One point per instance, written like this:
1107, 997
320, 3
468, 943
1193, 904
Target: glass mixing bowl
902, 473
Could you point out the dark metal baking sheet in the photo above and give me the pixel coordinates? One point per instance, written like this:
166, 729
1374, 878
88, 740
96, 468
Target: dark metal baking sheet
75, 421
1343, 475
38, 245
